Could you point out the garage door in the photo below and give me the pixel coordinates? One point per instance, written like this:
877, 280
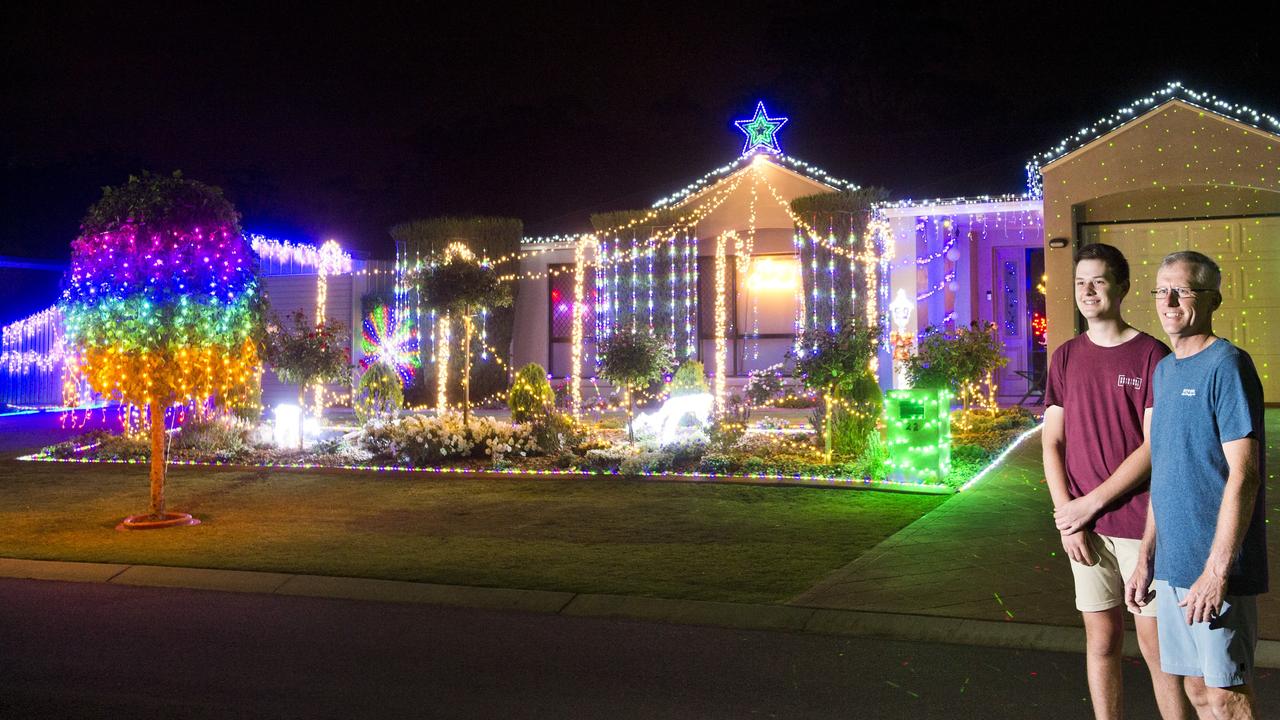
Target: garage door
1248, 249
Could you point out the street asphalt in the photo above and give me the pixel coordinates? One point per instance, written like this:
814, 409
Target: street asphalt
99, 650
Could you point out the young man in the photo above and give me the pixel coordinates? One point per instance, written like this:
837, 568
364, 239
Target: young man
1096, 462
1206, 524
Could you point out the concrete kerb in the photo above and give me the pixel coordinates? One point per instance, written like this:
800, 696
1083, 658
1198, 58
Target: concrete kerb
740, 616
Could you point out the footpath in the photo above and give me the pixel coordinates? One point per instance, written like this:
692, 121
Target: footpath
984, 568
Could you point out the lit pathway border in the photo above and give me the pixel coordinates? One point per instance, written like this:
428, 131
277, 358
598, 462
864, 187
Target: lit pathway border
664, 476
997, 460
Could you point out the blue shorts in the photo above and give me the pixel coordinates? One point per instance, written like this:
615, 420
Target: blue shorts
1220, 651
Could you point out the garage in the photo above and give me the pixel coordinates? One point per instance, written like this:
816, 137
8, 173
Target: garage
1247, 249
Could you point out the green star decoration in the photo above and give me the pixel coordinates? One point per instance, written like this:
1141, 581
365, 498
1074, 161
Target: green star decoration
761, 131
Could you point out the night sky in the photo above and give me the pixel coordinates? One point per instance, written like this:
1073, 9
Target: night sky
339, 123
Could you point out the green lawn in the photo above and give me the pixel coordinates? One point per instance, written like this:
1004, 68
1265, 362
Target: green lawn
676, 540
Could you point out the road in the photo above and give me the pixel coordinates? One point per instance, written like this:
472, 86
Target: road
81, 650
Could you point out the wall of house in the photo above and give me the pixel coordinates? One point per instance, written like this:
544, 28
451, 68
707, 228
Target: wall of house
768, 310
530, 341
287, 293
950, 264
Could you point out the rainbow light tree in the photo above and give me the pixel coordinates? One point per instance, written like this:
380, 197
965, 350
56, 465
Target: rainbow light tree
162, 307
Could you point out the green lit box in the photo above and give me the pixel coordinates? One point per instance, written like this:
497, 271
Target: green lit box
919, 435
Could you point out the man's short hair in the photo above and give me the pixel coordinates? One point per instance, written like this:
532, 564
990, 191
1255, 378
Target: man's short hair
1205, 273
1112, 256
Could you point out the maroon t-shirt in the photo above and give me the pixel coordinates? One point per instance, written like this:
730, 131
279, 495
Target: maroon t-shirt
1103, 393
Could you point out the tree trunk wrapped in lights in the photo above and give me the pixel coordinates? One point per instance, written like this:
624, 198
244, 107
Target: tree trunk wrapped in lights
418, 244
162, 305
460, 287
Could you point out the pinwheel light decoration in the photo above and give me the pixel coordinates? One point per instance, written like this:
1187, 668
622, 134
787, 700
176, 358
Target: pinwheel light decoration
385, 339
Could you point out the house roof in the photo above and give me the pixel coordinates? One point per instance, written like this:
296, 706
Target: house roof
757, 193
788, 178
821, 179
1172, 93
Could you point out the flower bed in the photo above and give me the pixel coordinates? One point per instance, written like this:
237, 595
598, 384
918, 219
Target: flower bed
557, 444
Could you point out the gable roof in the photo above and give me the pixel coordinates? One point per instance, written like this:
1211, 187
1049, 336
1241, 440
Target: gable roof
1138, 109
821, 179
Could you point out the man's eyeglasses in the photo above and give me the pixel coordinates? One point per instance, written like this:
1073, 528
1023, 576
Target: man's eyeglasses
1182, 292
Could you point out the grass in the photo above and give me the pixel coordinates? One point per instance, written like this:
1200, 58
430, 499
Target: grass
675, 540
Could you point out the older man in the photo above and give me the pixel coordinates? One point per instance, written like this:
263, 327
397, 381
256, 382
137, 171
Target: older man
1205, 532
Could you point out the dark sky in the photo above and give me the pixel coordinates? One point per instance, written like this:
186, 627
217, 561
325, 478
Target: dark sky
339, 123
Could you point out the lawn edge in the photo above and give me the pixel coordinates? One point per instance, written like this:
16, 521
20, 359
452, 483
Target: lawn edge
762, 479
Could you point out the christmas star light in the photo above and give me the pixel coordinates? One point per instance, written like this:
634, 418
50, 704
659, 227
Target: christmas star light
761, 131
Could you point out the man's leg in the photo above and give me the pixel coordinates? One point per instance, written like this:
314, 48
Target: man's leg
1230, 703
1104, 645
1170, 697
1198, 694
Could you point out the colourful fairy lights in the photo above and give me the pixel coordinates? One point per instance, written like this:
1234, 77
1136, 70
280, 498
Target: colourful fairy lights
388, 339
162, 316
799, 479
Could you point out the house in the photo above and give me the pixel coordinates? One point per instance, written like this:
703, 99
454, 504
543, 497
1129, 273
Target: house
731, 272
663, 274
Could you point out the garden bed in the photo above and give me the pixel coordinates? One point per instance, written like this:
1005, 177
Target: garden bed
766, 455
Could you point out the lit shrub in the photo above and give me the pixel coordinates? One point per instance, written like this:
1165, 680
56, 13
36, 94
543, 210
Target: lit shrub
379, 394
764, 386
690, 379
213, 436
530, 395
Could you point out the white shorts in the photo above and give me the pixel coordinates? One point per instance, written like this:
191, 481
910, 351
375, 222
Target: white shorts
1101, 586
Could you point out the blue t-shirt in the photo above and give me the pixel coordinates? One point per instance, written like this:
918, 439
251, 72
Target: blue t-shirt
1201, 402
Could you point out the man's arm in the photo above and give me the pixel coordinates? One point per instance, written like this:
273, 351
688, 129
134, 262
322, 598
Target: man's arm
1134, 471
1204, 598
1137, 588
1053, 448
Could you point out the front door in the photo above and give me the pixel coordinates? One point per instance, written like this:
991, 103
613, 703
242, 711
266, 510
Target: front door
1009, 312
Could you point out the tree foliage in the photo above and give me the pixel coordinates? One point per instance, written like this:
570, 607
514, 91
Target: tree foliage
461, 286
838, 365
489, 236
690, 379
953, 359
379, 393
847, 202
837, 360
307, 354
159, 202
763, 385
632, 358
496, 238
